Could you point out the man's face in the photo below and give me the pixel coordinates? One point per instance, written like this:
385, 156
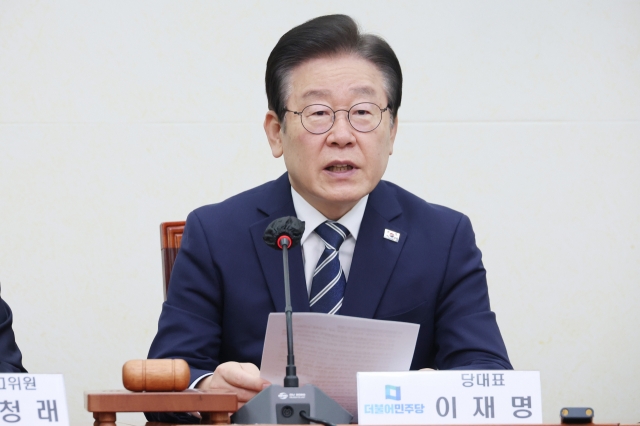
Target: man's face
334, 170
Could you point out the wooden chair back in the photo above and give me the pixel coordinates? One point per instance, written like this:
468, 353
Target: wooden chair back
170, 239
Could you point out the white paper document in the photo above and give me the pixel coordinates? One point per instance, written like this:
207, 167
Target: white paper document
330, 349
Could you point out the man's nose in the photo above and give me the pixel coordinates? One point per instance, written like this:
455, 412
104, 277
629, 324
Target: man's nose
341, 133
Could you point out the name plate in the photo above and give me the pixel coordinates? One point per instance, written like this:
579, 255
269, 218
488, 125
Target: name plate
449, 397
33, 399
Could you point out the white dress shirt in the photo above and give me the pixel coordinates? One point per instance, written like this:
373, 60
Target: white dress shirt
312, 245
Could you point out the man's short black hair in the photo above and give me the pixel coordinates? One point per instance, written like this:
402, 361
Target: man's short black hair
325, 36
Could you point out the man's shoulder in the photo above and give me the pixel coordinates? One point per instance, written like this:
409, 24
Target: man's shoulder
430, 222
413, 205
241, 200
239, 209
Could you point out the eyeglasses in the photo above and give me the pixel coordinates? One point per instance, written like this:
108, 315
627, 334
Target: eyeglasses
318, 119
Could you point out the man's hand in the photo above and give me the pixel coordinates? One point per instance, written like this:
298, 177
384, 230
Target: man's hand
242, 379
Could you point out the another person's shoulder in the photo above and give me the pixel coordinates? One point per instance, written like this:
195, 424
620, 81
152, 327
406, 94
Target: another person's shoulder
10, 355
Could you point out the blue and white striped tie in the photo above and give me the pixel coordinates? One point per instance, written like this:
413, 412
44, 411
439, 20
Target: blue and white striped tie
329, 282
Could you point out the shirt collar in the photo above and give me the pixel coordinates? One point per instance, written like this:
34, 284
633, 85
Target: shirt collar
312, 218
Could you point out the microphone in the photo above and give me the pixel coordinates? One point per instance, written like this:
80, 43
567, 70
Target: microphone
283, 234
286, 228
289, 404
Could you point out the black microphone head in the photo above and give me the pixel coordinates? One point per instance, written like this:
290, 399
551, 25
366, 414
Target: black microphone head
290, 226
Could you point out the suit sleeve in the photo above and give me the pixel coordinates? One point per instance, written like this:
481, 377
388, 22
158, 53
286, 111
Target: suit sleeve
467, 333
189, 327
10, 355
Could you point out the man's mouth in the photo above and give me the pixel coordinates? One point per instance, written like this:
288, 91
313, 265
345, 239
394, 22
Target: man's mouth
339, 168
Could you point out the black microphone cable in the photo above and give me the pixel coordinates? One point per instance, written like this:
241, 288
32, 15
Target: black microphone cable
303, 414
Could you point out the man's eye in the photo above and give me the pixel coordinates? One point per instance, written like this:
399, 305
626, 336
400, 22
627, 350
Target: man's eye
361, 112
320, 113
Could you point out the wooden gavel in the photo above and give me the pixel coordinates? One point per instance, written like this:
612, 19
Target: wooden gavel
160, 385
156, 375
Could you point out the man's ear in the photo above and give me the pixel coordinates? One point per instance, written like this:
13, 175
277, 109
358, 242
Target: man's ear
392, 134
272, 128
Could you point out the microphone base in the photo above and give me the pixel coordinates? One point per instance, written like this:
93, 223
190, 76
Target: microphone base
279, 405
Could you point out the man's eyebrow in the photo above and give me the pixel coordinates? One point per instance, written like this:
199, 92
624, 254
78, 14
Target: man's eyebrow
363, 90
358, 90
316, 94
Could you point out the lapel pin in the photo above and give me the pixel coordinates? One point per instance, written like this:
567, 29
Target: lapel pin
391, 235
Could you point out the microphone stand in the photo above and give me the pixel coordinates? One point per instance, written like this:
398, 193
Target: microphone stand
291, 403
291, 379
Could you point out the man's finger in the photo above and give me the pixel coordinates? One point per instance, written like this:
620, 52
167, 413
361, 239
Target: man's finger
250, 368
244, 395
243, 376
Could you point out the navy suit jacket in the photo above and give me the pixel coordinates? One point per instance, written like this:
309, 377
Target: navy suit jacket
226, 281
10, 356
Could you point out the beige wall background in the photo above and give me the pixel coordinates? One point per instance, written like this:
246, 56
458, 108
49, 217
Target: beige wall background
116, 116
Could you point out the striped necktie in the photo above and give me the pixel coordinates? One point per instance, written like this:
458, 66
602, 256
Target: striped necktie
329, 282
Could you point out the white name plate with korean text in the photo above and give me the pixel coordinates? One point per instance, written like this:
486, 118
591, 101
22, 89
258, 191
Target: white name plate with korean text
33, 399
450, 397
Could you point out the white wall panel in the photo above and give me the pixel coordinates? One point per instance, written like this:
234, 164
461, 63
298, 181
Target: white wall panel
524, 115
204, 61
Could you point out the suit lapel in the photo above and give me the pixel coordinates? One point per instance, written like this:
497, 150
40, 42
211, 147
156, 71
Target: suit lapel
374, 257
276, 203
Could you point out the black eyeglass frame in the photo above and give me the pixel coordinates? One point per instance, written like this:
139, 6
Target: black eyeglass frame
333, 121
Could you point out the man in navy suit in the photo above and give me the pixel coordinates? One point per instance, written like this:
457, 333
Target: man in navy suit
370, 249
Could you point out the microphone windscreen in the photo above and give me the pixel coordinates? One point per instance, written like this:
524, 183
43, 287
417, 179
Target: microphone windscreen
288, 225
